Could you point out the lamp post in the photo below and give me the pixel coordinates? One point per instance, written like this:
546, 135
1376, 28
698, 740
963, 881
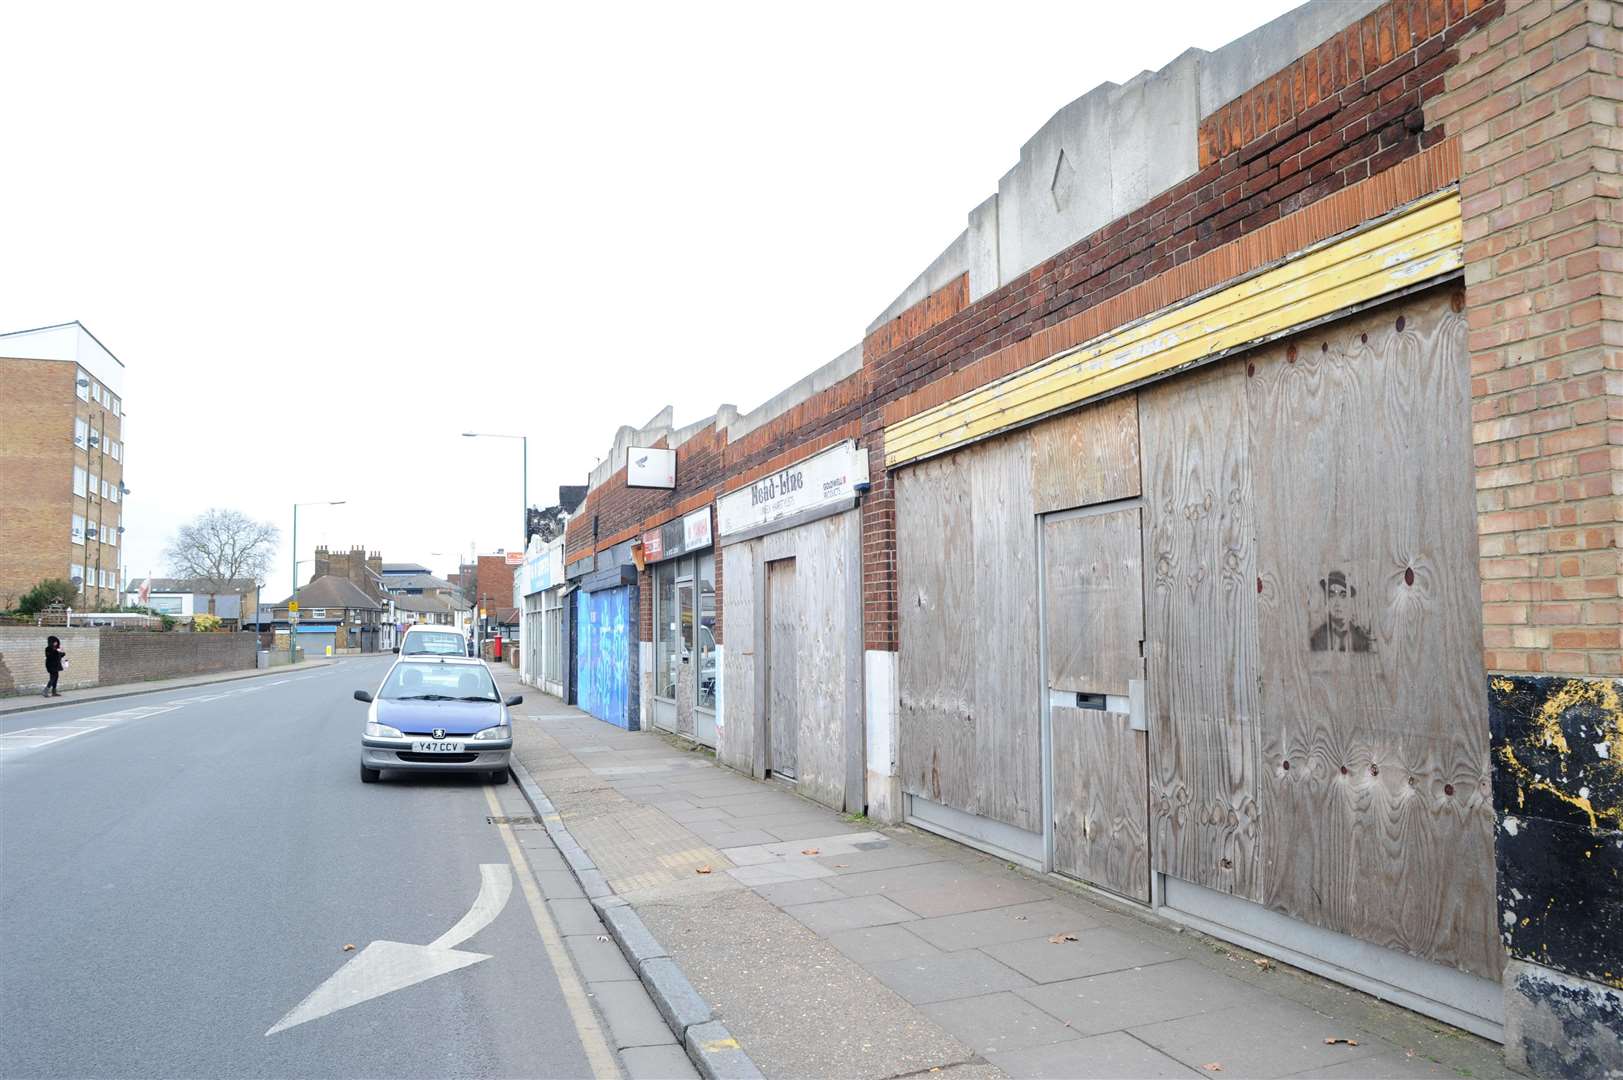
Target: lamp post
293, 596
524, 526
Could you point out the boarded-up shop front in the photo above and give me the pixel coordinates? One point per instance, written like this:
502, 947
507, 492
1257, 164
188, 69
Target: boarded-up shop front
1215, 644
605, 667
791, 552
684, 680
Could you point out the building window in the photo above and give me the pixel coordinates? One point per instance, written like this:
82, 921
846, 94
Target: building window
117, 407
80, 431
80, 478
706, 673
78, 528
90, 489
665, 630
78, 573
111, 537
318, 613
117, 451
82, 385
95, 438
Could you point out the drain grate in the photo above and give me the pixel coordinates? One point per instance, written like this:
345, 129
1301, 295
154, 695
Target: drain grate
525, 820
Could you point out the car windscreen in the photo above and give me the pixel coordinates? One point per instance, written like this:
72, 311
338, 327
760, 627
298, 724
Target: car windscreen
428, 643
439, 682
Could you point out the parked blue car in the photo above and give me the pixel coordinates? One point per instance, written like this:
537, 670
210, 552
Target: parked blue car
437, 712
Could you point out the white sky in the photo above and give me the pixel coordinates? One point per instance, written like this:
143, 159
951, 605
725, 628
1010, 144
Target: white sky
326, 239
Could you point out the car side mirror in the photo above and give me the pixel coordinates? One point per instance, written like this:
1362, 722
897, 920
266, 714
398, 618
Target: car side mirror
363, 695
397, 649
516, 699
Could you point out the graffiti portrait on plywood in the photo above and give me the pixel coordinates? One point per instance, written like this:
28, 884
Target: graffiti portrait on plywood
1338, 631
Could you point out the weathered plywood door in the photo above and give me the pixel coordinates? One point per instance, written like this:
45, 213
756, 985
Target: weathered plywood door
782, 695
1093, 610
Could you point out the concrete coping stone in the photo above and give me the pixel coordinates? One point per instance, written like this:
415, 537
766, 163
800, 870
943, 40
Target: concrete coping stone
710, 1046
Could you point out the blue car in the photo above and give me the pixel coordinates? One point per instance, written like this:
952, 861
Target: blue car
441, 713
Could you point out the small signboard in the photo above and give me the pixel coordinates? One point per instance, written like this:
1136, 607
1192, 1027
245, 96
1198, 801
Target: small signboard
293, 607
685, 534
822, 480
650, 467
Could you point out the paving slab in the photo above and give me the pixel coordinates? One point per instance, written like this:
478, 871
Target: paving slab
871, 945
1115, 1056
977, 893
657, 1063
1229, 1036
977, 929
632, 1018
559, 884
997, 1023
575, 916
881, 857
925, 979
777, 873
1398, 1065
598, 958
1139, 996
848, 913
811, 891
1094, 952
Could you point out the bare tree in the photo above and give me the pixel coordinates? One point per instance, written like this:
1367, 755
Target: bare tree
221, 547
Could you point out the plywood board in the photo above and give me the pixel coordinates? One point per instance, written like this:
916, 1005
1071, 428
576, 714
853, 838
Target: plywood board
1087, 456
936, 617
783, 677
1373, 692
1201, 631
1100, 818
1093, 601
739, 743
1004, 660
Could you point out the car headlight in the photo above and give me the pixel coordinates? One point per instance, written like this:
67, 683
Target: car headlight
376, 730
501, 731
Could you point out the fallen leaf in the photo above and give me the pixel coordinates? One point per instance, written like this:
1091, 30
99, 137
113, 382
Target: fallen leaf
1263, 964
811, 851
1212, 1066
703, 870
1333, 1040
349, 948
1060, 939
840, 865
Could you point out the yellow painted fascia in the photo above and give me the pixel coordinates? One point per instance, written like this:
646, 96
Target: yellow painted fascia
1421, 242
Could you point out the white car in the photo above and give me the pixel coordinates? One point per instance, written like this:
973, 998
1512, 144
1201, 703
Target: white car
432, 641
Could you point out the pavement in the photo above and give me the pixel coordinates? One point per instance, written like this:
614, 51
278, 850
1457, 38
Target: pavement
831, 946
29, 702
195, 883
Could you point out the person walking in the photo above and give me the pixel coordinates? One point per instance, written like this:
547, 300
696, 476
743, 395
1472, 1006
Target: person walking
54, 662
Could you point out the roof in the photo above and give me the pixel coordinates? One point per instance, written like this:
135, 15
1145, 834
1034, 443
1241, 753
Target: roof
190, 585
332, 591
404, 568
425, 602
507, 615
436, 658
63, 341
424, 580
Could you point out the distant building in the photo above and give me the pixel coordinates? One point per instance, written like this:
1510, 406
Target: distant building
61, 463
182, 598
333, 611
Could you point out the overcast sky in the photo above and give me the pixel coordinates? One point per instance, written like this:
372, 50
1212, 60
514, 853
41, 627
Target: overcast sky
326, 239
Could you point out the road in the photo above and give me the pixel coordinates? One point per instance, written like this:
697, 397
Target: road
179, 871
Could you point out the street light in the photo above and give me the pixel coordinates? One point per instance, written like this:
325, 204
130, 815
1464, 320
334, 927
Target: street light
524, 527
293, 597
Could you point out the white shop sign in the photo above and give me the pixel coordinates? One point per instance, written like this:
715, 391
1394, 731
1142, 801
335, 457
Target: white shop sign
827, 477
648, 466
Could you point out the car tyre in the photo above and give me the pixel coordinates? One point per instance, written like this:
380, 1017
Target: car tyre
370, 776
498, 776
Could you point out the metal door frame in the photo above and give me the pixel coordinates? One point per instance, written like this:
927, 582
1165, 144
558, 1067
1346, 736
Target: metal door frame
1045, 703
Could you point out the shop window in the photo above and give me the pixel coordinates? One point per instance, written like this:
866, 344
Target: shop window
706, 659
665, 658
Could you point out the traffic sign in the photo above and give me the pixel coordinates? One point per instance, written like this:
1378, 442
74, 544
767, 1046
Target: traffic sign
293, 608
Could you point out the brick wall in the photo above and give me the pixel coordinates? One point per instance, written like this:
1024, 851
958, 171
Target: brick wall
1534, 103
493, 588
22, 658
130, 656
36, 474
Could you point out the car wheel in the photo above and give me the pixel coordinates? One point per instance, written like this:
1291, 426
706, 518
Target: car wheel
370, 776
499, 776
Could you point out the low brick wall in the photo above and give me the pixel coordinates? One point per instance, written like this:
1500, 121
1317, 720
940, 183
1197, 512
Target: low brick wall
128, 656
22, 658
98, 657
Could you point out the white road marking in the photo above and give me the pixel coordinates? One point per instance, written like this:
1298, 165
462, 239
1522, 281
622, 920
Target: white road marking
385, 966
36, 738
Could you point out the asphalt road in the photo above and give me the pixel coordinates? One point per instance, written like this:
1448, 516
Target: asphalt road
176, 879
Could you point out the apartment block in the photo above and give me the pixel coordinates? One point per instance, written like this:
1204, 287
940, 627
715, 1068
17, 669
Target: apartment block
61, 463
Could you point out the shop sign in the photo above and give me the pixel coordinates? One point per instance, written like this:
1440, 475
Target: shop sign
650, 467
828, 477
677, 537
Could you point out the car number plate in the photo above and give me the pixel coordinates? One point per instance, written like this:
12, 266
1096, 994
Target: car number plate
436, 746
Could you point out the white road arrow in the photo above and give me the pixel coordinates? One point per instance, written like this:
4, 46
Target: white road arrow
386, 966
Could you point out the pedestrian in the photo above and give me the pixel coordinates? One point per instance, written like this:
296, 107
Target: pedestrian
55, 661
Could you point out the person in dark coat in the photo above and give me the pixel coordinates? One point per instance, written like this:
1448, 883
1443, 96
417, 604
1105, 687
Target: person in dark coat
53, 665
1338, 633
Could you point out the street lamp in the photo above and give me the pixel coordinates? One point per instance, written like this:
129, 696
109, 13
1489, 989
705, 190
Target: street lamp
293, 596
524, 527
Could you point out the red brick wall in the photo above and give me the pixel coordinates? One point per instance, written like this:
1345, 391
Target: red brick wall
494, 587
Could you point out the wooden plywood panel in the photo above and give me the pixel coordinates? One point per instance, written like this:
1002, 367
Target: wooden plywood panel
1085, 457
1373, 691
1200, 631
1004, 659
936, 716
738, 738
1100, 818
827, 618
783, 677
1093, 600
